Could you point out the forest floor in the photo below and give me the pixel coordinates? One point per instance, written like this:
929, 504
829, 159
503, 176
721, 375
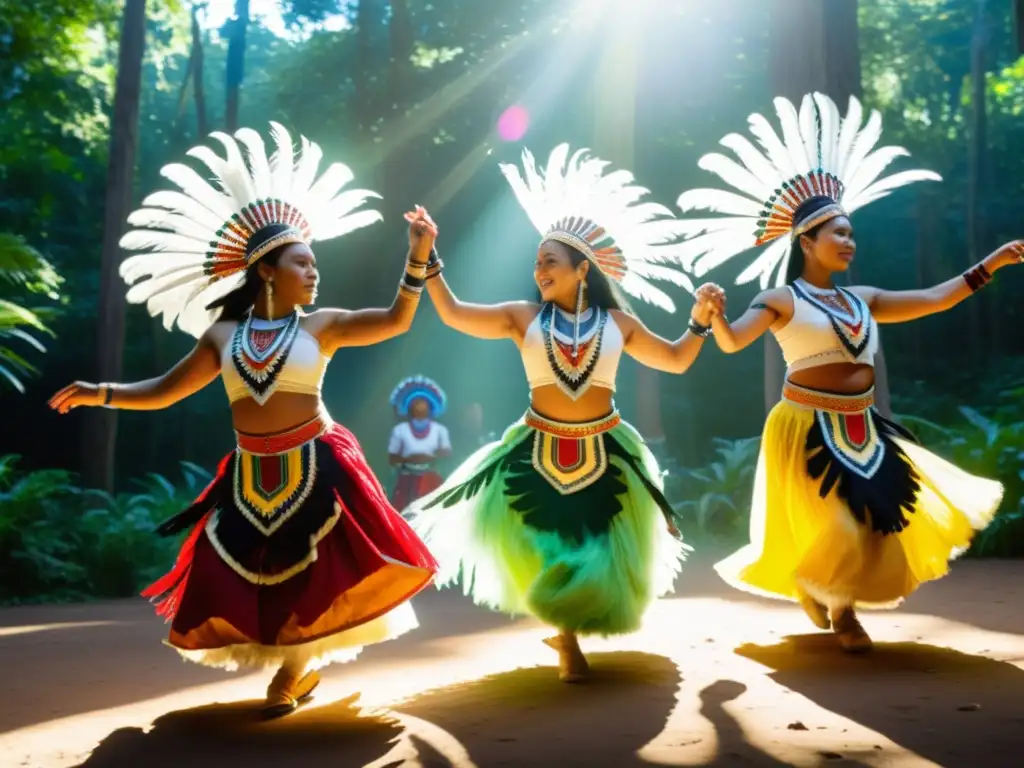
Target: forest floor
714, 678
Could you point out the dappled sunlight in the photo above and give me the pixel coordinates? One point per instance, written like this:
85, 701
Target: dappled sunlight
31, 628
706, 681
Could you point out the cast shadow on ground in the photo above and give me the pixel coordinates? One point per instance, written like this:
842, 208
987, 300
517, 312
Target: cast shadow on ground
336, 734
527, 717
953, 708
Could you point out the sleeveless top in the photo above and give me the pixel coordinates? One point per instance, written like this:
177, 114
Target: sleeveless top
406, 441
549, 357
820, 332
269, 356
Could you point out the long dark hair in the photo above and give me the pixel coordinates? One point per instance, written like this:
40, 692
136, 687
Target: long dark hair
807, 208
237, 304
601, 292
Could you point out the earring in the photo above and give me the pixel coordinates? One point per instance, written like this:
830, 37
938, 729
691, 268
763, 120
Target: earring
576, 320
270, 299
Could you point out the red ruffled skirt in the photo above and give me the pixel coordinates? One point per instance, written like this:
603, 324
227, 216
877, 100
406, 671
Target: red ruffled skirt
414, 485
294, 548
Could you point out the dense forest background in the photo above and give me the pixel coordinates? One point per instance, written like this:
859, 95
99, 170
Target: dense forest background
97, 95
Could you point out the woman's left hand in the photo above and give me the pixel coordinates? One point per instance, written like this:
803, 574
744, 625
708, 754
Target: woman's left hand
74, 395
1010, 253
710, 300
420, 225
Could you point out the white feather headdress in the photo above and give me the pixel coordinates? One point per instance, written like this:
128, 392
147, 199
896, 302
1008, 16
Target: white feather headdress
575, 202
198, 242
818, 153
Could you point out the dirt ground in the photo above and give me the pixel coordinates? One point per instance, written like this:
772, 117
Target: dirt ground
714, 678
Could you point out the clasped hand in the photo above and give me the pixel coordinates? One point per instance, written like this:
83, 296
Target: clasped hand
709, 301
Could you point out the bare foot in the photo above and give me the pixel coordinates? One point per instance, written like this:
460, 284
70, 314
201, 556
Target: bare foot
851, 634
572, 664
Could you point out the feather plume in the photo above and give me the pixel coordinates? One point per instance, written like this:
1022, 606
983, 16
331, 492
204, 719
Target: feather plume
815, 137
582, 195
176, 232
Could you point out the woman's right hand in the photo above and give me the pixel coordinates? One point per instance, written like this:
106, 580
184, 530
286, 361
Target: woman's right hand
420, 226
74, 395
709, 302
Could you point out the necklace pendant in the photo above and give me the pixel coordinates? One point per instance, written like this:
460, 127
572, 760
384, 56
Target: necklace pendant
848, 314
259, 354
572, 370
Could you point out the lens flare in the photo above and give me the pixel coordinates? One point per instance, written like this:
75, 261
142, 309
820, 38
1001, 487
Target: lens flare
513, 123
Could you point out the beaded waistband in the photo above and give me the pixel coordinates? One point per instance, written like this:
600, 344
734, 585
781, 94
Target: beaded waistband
282, 442
414, 469
571, 430
829, 401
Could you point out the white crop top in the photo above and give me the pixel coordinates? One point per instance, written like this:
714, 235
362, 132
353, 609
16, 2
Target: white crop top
821, 333
405, 442
547, 350
257, 348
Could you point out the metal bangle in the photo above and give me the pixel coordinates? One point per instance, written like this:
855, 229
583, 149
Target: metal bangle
412, 281
435, 269
697, 329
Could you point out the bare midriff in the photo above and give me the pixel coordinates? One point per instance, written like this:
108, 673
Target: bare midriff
844, 378
549, 401
283, 411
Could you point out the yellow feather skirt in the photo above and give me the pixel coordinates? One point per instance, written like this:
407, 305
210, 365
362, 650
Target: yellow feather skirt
805, 543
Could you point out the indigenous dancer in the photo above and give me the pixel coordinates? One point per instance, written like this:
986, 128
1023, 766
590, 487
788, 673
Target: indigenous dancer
564, 518
295, 557
848, 511
418, 441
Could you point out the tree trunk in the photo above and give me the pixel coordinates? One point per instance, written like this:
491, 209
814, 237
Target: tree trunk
614, 141
814, 47
976, 152
399, 89
198, 90
236, 63
1018, 25
101, 428
925, 222
369, 16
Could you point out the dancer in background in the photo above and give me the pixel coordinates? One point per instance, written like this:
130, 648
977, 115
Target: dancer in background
419, 441
295, 557
848, 511
564, 518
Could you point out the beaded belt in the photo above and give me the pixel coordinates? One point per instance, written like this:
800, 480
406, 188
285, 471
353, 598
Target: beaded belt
572, 431
828, 401
282, 442
414, 469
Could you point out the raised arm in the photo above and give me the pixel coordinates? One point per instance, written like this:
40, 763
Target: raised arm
193, 372
507, 320
336, 328
650, 349
903, 306
769, 309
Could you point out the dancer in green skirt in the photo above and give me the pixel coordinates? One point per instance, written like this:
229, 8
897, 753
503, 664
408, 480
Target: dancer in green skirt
564, 518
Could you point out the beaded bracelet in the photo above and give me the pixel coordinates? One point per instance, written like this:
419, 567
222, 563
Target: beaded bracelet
412, 293
108, 394
977, 278
697, 329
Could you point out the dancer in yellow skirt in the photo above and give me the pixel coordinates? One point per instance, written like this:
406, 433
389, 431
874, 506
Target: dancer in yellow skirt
848, 510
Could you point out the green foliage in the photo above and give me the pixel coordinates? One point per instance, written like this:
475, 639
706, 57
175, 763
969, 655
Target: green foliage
988, 446
23, 269
715, 499
61, 542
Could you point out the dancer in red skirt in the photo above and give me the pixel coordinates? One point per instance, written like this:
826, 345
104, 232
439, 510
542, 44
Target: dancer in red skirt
419, 440
294, 557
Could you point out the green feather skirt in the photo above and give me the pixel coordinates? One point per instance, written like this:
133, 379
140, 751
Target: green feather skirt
585, 550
